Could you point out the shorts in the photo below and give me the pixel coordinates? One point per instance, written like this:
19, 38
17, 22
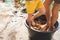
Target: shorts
33, 5
57, 1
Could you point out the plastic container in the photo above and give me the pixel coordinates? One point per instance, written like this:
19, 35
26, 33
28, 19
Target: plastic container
39, 35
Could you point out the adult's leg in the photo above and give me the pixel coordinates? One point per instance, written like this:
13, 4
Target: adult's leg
55, 13
47, 4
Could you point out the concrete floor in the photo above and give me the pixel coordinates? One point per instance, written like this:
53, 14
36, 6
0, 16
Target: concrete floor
15, 27
16, 30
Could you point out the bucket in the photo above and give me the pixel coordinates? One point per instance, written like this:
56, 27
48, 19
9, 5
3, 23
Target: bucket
39, 35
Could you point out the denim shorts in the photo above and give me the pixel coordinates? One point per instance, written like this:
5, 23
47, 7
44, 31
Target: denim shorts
57, 1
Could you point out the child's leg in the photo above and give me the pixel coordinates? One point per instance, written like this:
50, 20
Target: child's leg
55, 13
47, 4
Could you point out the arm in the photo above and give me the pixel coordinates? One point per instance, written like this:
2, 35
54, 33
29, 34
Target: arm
41, 9
40, 12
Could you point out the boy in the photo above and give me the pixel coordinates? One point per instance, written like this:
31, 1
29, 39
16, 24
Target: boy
31, 6
52, 20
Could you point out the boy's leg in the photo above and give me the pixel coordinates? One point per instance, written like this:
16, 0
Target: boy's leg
55, 13
47, 4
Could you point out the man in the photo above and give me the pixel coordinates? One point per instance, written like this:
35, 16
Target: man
56, 7
31, 6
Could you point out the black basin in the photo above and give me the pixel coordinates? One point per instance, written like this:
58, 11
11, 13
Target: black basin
39, 35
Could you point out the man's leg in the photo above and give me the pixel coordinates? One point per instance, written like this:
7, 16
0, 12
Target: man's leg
55, 13
47, 4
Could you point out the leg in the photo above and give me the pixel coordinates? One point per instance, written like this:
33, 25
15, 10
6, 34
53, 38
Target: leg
47, 4
55, 13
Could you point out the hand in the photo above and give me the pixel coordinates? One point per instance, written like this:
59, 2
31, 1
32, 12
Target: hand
33, 23
30, 20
